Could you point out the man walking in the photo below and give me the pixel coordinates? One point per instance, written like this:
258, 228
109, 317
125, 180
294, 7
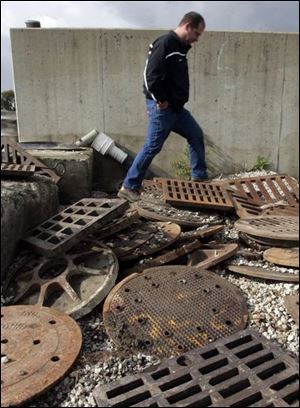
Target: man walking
166, 86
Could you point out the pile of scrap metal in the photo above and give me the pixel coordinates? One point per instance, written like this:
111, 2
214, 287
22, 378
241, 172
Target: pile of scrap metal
101, 250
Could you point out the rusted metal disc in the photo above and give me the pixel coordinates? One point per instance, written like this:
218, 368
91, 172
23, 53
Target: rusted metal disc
284, 243
74, 284
283, 256
258, 272
171, 309
41, 345
211, 254
275, 227
292, 305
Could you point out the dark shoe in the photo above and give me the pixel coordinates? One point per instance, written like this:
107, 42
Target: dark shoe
128, 194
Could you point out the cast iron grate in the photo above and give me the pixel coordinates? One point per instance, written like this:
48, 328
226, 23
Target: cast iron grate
17, 170
191, 193
63, 230
242, 370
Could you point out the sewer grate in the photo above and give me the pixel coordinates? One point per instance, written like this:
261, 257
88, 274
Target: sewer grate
17, 170
11, 152
274, 227
191, 193
41, 345
266, 189
60, 232
292, 305
73, 284
168, 310
242, 370
263, 273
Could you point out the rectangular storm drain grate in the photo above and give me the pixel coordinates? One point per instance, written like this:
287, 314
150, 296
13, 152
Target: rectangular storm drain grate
244, 369
59, 233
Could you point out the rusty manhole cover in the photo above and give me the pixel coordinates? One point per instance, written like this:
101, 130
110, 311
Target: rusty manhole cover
40, 345
74, 284
259, 272
283, 256
171, 309
274, 227
211, 254
292, 305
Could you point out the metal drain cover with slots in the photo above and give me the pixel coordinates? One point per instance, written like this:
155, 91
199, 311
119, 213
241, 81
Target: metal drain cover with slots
74, 283
191, 193
17, 170
274, 227
41, 345
60, 232
171, 309
242, 370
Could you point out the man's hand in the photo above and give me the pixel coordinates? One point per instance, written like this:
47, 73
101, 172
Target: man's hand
162, 105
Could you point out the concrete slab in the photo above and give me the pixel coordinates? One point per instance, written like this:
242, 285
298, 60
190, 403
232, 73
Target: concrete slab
24, 204
76, 182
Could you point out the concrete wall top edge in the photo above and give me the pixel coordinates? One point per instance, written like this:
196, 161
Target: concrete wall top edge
144, 29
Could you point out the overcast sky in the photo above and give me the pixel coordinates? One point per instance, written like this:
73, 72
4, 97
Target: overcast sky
277, 16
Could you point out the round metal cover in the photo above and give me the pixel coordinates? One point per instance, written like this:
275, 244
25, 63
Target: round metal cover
74, 284
283, 256
40, 345
171, 309
275, 227
292, 305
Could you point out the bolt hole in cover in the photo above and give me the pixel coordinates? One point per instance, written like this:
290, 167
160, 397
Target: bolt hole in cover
74, 284
30, 372
176, 317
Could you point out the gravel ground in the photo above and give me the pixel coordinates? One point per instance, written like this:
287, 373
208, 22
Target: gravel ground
99, 361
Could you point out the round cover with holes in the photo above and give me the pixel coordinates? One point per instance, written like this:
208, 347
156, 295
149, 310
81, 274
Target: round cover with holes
171, 309
40, 346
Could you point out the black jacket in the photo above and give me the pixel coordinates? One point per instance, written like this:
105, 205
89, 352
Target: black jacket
166, 74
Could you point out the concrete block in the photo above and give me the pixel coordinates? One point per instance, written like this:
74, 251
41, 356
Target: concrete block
76, 182
24, 204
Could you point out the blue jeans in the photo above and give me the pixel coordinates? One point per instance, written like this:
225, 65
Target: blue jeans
160, 124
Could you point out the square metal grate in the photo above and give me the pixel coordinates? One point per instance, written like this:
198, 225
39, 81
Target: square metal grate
191, 193
59, 233
241, 370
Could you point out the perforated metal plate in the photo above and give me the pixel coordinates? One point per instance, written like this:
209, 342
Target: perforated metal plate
171, 309
17, 170
274, 227
283, 256
263, 273
74, 283
292, 305
41, 345
190, 193
242, 370
60, 232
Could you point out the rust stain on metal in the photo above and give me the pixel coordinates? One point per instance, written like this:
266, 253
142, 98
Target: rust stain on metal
41, 345
168, 310
283, 256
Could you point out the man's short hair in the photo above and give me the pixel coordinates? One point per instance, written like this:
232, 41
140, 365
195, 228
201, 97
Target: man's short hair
193, 19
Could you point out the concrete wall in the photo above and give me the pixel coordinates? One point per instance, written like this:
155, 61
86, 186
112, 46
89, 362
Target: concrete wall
244, 92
